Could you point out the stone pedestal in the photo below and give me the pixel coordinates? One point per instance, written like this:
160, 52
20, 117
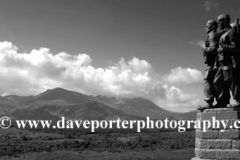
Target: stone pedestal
217, 143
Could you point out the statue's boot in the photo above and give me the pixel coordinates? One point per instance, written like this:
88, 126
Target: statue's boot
206, 106
235, 104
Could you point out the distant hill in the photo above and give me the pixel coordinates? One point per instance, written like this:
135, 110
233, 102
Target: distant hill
192, 115
58, 102
138, 107
19, 98
60, 94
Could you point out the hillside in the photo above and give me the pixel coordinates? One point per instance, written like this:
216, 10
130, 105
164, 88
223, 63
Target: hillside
58, 102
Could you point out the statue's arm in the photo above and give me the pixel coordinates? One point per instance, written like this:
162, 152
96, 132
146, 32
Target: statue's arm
231, 47
212, 48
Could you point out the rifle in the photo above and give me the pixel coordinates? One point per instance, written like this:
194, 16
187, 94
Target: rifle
236, 28
236, 60
237, 25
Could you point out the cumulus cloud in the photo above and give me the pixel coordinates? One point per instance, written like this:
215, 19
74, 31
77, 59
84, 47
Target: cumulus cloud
34, 72
177, 100
177, 96
211, 4
184, 76
31, 73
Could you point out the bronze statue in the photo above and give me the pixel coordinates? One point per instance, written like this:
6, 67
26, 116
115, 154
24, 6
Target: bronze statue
210, 59
235, 26
228, 73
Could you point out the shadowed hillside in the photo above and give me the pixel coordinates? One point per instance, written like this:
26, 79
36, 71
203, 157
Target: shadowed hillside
58, 102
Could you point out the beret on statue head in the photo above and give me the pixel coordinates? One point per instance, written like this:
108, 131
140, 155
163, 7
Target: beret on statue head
224, 17
211, 22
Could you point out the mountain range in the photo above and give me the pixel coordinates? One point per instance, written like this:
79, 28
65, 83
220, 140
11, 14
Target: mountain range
58, 102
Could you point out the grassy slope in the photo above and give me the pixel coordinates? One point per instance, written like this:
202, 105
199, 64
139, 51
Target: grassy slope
185, 154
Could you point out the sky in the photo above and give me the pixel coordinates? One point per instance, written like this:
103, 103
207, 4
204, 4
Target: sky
121, 48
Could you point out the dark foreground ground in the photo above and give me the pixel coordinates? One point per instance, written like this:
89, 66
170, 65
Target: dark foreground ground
75, 145
183, 154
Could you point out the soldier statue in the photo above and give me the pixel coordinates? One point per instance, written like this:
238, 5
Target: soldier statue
227, 77
210, 59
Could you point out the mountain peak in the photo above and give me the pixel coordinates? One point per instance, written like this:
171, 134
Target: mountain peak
61, 94
62, 102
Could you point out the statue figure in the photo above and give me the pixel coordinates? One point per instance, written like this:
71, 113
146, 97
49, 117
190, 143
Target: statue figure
235, 26
210, 59
228, 73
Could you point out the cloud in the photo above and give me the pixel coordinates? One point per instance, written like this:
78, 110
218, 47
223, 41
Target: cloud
34, 72
179, 101
211, 4
199, 43
184, 76
184, 107
177, 96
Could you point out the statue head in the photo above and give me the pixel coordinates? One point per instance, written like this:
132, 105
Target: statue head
223, 21
211, 26
234, 25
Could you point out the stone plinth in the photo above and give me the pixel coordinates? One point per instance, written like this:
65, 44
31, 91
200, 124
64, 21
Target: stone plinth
222, 140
